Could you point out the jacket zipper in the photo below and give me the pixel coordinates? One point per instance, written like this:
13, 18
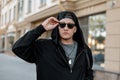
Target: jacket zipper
65, 60
71, 69
76, 60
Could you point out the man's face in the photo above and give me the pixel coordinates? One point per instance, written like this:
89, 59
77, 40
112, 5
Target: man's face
66, 31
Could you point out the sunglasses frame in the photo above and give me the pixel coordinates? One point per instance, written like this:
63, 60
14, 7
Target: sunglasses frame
69, 25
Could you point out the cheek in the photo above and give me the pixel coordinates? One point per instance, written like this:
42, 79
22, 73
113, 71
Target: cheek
73, 31
60, 31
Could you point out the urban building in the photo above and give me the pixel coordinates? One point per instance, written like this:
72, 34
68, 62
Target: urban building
99, 20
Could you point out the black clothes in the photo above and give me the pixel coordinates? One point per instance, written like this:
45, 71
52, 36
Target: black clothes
49, 57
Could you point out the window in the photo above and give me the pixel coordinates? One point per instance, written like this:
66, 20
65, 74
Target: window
5, 2
20, 10
29, 6
10, 15
5, 17
96, 38
14, 11
3, 42
10, 38
94, 31
42, 2
2, 19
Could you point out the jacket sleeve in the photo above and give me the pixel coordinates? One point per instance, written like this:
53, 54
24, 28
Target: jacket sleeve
25, 47
89, 72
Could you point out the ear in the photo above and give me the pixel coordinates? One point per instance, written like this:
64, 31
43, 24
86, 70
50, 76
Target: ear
75, 29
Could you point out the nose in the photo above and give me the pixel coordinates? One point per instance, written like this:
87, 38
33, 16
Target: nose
66, 27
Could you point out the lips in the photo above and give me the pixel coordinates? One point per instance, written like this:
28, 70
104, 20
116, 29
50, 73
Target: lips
65, 33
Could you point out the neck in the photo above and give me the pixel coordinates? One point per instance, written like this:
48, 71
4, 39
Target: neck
69, 41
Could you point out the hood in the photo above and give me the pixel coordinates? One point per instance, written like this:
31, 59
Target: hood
78, 36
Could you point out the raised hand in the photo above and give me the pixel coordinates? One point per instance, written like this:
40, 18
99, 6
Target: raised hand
50, 23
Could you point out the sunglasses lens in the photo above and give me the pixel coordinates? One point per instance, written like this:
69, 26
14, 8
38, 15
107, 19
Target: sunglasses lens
62, 25
70, 25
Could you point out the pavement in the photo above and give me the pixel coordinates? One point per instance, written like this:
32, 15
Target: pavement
14, 68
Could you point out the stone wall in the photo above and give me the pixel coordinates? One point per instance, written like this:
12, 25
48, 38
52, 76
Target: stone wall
105, 75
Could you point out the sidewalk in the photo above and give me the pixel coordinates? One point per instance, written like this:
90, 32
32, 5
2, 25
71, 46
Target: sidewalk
13, 68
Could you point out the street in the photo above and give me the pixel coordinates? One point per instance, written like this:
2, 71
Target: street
14, 68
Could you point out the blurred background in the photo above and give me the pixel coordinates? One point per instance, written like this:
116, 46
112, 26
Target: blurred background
99, 20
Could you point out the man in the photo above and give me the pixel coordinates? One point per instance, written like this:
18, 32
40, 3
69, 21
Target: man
64, 57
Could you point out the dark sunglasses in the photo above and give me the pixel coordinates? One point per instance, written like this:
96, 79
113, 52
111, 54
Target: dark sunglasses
69, 25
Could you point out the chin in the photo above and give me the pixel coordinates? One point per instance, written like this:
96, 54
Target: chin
66, 38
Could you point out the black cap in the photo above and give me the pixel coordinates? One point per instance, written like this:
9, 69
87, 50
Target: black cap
67, 14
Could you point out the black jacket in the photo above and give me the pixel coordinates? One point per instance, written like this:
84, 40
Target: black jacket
50, 59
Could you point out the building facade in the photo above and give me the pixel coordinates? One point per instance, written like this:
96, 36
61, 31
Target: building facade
99, 20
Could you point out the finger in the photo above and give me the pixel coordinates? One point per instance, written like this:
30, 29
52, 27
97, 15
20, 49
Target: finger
55, 24
54, 19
